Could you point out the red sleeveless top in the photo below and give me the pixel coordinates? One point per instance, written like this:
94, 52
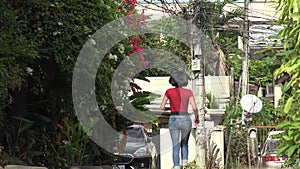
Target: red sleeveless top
179, 99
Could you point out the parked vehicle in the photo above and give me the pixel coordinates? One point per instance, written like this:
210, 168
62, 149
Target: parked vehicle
139, 151
268, 158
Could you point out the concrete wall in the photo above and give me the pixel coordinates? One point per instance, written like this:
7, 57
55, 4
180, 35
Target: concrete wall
277, 94
219, 86
217, 139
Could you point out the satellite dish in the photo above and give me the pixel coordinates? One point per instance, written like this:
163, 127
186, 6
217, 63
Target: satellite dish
251, 103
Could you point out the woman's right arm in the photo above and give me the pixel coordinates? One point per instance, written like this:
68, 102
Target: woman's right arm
195, 108
194, 105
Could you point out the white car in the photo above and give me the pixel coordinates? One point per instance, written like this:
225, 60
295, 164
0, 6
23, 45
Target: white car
268, 158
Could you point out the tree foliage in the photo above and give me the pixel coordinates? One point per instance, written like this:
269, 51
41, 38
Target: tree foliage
290, 67
40, 42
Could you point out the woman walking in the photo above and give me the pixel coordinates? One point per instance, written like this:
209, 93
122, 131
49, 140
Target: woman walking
180, 123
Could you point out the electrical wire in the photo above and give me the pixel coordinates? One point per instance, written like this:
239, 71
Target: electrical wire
259, 12
166, 4
220, 27
253, 10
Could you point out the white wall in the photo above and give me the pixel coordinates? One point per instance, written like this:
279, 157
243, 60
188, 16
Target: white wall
217, 138
277, 94
219, 86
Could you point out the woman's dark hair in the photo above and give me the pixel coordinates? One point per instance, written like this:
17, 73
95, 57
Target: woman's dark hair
179, 79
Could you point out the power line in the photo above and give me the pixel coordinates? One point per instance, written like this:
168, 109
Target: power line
252, 12
252, 16
259, 12
221, 27
165, 9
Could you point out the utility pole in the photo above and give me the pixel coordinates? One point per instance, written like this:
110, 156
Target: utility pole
198, 68
245, 69
201, 131
199, 88
246, 51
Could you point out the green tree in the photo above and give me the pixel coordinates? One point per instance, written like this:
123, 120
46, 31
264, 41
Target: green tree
16, 55
40, 42
289, 104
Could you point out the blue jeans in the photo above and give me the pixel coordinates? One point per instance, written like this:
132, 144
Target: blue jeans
180, 128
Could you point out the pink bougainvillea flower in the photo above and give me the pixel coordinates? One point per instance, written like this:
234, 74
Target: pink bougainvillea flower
142, 57
128, 20
134, 40
129, 14
146, 63
132, 6
135, 23
125, 135
137, 48
58, 139
144, 17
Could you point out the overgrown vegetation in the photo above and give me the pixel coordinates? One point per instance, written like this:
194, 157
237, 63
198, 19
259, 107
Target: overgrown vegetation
40, 42
289, 75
